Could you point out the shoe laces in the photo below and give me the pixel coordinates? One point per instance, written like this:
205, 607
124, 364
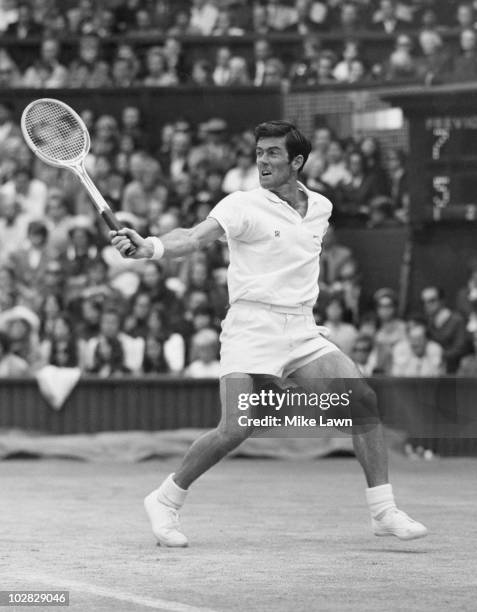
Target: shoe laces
400, 513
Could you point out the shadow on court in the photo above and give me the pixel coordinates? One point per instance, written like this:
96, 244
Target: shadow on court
265, 536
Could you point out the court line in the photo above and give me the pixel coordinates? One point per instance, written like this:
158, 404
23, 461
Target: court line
84, 587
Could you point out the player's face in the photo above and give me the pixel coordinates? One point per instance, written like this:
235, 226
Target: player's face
274, 167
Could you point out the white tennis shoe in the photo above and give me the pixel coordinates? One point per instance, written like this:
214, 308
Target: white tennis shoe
165, 522
394, 522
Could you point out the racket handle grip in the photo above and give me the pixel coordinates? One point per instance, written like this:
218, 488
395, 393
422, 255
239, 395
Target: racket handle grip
113, 224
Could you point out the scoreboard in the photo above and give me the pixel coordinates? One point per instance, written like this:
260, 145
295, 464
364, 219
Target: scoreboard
451, 169
442, 161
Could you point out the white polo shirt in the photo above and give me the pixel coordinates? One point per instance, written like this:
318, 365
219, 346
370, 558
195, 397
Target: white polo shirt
274, 251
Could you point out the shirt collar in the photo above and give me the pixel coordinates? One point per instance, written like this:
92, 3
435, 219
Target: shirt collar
274, 198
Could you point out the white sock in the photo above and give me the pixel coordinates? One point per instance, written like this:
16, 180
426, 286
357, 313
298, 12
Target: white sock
380, 499
170, 494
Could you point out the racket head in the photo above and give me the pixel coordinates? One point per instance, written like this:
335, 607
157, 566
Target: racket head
55, 133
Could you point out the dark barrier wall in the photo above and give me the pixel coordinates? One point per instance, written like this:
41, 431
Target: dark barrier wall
438, 413
379, 253
242, 107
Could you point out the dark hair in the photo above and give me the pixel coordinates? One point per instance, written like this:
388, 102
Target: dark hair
295, 142
4, 342
39, 228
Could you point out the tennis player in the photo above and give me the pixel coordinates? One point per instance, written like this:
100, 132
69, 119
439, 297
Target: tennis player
274, 235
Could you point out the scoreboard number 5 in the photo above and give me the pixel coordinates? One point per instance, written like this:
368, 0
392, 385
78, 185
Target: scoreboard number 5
441, 185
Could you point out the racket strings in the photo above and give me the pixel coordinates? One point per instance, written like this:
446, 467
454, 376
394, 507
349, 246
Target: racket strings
55, 132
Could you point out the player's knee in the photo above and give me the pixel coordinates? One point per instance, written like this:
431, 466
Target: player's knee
364, 404
231, 435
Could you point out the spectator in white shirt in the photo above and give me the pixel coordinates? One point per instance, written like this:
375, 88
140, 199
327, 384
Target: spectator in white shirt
244, 175
416, 355
48, 72
30, 193
205, 347
340, 333
203, 17
221, 73
336, 168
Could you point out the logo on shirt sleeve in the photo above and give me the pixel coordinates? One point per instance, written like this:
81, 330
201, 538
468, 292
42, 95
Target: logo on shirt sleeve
277, 233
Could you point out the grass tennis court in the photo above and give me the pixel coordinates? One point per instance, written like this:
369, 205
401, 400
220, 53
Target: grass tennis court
265, 536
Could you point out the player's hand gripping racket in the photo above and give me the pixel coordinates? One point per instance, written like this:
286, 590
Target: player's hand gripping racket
59, 137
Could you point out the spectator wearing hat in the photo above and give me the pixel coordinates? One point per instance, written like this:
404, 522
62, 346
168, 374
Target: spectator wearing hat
391, 329
204, 352
445, 327
11, 366
416, 355
22, 326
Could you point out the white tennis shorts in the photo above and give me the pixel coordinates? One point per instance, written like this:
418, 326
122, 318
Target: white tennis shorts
260, 338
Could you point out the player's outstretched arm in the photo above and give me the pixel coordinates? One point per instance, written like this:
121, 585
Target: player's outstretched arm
176, 243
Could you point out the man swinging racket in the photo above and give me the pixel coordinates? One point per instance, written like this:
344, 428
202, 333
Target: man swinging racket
274, 235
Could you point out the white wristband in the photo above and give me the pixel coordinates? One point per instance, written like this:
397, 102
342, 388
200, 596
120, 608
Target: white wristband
158, 247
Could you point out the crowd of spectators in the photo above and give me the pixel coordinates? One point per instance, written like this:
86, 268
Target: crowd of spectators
68, 299
66, 296
148, 49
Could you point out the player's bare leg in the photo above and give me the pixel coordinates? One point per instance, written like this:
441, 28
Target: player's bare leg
338, 373
163, 503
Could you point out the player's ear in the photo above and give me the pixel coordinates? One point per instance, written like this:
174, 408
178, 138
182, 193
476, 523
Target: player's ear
297, 162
